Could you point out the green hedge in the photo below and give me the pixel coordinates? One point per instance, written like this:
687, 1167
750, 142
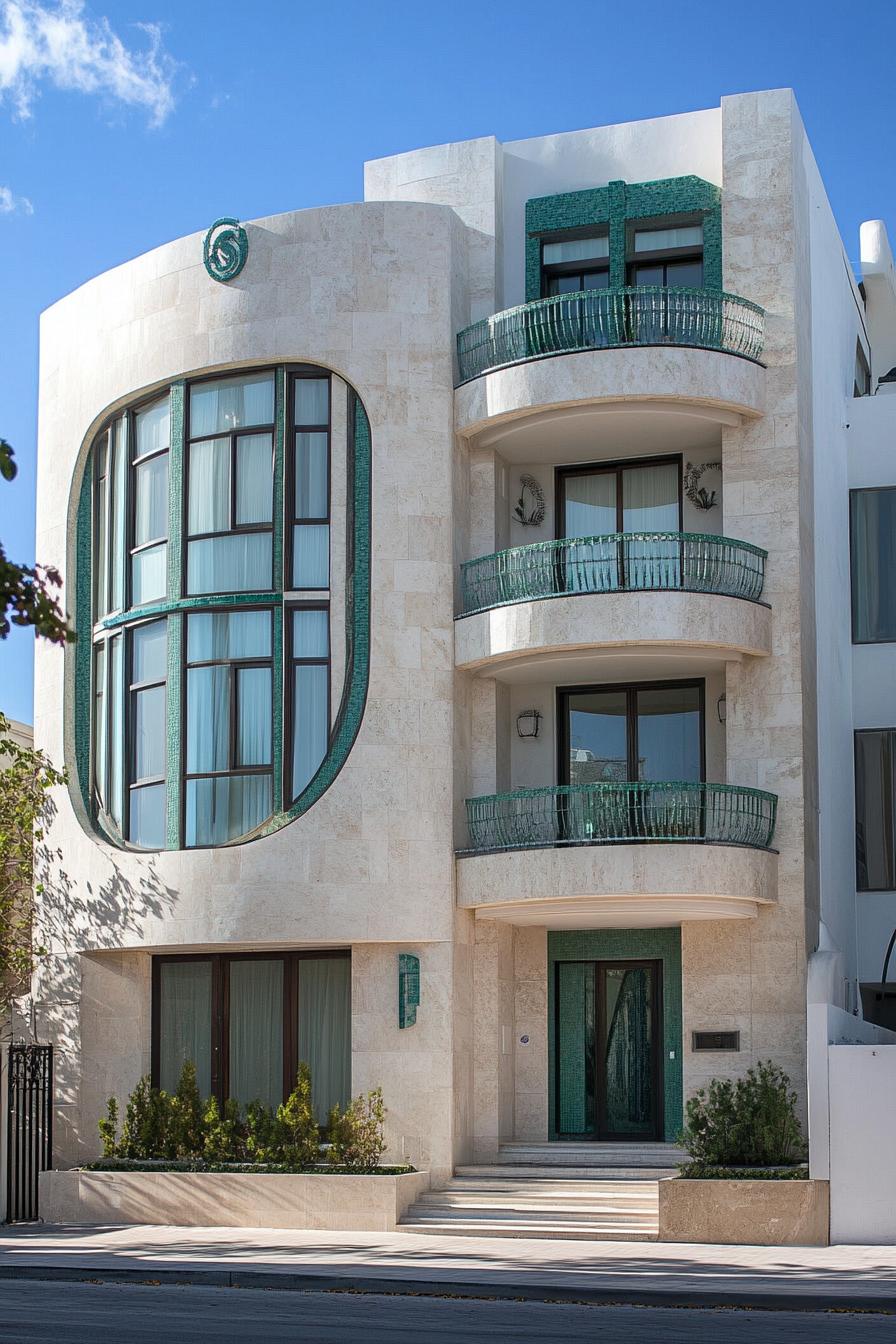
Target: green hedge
696, 1171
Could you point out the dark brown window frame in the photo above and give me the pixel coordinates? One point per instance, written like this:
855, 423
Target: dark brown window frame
245, 431
631, 689
661, 256
862, 490
296, 375
220, 1023
234, 665
581, 268
131, 689
864, 732
618, 467
293, 662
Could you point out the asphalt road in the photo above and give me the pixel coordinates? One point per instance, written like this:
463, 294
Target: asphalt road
36, 1312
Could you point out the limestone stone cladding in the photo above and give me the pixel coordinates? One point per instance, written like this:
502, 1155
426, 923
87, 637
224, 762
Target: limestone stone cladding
369, 291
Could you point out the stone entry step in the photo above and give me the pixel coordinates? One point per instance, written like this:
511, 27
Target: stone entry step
659, 1156
489, 1205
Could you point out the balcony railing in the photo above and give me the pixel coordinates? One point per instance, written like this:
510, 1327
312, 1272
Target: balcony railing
622, 813
599, 319
621, 562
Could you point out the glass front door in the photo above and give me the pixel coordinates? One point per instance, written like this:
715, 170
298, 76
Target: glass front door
608, 1059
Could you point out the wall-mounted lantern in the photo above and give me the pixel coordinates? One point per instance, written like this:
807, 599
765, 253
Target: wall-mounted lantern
722, 707
527, 723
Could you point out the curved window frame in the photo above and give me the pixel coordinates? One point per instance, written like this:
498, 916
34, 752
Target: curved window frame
92, 777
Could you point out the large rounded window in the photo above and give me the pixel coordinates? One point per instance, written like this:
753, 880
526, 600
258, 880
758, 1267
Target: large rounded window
223, 630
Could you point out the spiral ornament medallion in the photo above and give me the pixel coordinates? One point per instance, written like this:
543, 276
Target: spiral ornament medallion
225, 249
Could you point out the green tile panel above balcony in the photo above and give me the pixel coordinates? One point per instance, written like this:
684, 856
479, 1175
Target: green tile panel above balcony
601, 319
620, 812
619, 562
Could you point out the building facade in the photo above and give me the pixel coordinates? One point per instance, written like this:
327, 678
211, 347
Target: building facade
462, 575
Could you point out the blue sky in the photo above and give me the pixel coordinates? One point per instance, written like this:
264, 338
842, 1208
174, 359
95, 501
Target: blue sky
125, 123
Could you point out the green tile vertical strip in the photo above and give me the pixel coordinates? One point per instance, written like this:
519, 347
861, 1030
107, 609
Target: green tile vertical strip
176, 462
616, 193
620, 945
277, 679
712, 248
282, 582
175, 734
82, 651
177, 453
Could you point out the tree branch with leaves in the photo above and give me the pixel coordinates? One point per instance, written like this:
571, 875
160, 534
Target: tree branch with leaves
26, 591
26, 779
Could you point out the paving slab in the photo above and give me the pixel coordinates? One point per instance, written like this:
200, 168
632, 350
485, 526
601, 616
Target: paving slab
786, 1277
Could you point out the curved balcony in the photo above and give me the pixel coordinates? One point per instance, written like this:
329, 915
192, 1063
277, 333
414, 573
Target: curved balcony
601, 319
618, 812
619, 855
620, 562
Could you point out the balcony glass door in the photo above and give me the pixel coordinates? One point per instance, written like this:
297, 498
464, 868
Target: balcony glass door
597, 501
607, 1056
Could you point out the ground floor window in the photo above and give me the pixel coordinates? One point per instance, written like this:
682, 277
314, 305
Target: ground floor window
247, 1020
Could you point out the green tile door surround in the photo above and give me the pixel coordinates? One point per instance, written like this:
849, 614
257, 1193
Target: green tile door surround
662, 945
614, 206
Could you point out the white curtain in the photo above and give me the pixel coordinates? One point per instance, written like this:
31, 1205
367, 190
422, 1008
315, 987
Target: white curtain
254, 716
151, 500
312, 470
185, 1022
222, 808
231, 403
325, 1029
310, 728
650, 498
208, 719
153, 428
254, 479
311, 556
312, 401
590, 504
256, 1030
238, 563
149, 574
214, 636
209, 504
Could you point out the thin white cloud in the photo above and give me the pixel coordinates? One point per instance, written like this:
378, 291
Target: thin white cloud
14, 205
59, 44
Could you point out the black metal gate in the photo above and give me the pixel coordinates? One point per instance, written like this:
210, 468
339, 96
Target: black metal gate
29, 1127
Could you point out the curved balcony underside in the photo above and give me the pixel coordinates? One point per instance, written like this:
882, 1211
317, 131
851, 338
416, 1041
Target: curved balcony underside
709, 381
619, 854
636, 622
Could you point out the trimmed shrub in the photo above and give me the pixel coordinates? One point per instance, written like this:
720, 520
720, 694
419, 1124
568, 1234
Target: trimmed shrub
297, 1131
357, 1137
748, 1123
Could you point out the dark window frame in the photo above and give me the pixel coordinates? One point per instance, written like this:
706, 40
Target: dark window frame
293, 662
234, 665
220, 1009
853, 494
662, 256
245, 431
297, 374
631, 689
133, 464
618, 467
131, 690
864, 732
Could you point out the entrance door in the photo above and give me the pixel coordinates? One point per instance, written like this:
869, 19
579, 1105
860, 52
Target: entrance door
608, 1043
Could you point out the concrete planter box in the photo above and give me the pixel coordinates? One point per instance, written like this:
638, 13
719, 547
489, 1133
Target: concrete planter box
324, 1203
745, 1213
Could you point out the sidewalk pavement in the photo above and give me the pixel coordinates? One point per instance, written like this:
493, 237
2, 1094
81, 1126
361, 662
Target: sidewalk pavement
646, 1273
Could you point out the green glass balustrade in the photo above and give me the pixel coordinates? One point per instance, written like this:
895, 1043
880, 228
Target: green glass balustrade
619, 562
599, 319
622, 813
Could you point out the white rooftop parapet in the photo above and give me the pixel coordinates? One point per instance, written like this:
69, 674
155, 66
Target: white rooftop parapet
879, 280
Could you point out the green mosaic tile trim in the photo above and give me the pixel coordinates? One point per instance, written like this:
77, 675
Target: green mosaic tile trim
357, 614
279, 462
622, 945
175, 737
81, 653
613, 206
176, 462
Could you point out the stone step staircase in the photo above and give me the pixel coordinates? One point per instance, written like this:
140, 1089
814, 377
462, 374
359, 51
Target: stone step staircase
595, 1192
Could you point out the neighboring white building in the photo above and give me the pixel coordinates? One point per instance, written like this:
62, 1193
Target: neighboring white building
467, 576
